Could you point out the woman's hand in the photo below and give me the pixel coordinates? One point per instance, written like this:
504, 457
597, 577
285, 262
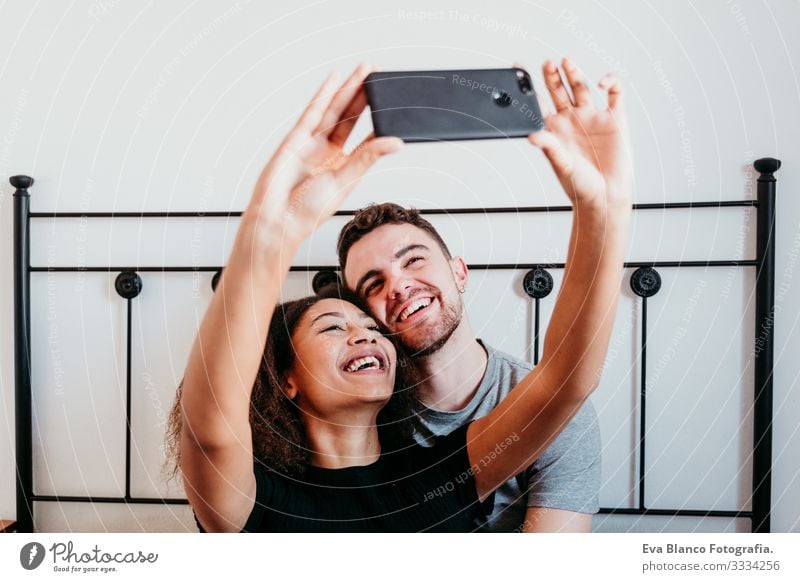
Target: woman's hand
589, 148
310, 174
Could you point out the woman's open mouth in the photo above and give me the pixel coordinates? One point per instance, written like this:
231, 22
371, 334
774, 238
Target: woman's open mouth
369, 363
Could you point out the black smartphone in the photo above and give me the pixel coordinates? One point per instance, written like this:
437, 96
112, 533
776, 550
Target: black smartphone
453, 104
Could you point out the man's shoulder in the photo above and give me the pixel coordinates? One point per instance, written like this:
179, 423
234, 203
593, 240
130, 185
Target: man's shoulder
503, 373
508, 370
507, 359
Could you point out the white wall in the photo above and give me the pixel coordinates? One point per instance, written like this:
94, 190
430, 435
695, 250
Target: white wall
115, 105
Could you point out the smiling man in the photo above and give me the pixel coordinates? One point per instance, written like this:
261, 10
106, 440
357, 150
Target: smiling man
400, 265
396, 260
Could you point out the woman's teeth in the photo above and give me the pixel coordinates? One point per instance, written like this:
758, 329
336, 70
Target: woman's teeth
413, 308
368, 363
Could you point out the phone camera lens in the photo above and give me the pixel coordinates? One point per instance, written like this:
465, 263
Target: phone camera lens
524, 82
501, 98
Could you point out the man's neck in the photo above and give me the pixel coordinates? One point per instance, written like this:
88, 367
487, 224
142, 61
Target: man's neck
346, 442
453, 373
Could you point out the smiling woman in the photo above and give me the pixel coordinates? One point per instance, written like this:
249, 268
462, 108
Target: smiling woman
328, 377
279, 436
330, 354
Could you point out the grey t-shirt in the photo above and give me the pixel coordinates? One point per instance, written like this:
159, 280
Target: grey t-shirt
566, 476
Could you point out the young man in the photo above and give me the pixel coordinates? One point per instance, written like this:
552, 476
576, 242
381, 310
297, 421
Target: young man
398, 262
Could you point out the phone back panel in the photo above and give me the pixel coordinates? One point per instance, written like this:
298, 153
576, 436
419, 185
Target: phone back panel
453, 104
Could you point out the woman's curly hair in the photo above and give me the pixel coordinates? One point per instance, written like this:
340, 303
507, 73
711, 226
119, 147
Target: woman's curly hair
279, 438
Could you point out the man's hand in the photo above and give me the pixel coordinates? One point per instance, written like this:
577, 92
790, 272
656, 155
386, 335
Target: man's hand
310, 174
589, 148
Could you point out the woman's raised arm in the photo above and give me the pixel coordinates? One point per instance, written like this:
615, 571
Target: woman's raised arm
590, 151
303, 184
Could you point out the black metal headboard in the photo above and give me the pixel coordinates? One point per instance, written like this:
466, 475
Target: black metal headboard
645, 282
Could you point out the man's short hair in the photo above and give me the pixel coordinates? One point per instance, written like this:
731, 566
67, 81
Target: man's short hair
368, 219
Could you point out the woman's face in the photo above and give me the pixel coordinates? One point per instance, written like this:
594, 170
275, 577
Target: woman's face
342, 360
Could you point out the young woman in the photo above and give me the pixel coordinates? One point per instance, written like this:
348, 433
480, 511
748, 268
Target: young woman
277, 420
329, 394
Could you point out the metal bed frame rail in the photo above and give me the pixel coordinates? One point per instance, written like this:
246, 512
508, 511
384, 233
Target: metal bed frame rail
538, 283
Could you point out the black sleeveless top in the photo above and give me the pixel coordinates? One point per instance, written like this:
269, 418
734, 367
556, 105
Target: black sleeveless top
416, 489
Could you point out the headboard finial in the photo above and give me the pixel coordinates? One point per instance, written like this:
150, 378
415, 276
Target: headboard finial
21, 182
767, 165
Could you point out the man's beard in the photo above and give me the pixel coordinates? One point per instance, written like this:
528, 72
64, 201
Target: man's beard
424, 343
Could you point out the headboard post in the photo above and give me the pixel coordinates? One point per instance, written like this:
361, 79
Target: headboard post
22, 352
763, 347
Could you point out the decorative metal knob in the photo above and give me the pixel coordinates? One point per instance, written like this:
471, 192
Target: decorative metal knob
323, 278
128, 284
645, 281
537, 283
215, 279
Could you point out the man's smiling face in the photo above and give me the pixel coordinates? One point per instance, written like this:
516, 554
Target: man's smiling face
409, 285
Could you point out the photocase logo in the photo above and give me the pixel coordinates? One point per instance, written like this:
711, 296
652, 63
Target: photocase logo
31, 555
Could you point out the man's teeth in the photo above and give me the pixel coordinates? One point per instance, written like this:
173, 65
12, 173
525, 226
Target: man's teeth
368, 363
414, 307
